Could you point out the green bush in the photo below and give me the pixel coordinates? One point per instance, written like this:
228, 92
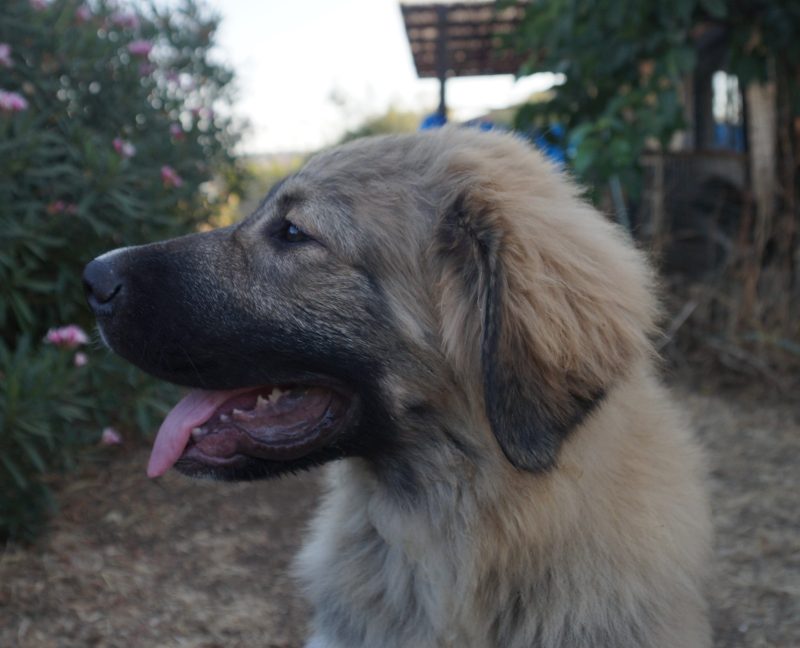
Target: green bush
114, 130
44, 417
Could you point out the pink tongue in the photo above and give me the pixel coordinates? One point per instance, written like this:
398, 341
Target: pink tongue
193, 410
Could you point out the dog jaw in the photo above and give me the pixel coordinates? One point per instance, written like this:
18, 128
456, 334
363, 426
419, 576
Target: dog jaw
226, 429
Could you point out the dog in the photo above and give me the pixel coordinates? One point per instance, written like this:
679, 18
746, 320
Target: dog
467, 344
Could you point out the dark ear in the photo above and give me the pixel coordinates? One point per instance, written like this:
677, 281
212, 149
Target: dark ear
528, 417
531, 407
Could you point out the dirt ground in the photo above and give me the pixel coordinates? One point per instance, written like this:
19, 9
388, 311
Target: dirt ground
131, 562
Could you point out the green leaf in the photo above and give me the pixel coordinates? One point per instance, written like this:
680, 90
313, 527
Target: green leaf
717, 8
15, 472
33, 455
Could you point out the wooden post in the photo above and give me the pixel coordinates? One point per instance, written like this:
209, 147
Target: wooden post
761, 104
762, 139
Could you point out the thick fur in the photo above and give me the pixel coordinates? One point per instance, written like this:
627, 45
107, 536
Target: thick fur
609, 547
514, 476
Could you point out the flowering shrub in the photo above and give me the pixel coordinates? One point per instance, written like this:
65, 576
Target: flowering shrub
112, 119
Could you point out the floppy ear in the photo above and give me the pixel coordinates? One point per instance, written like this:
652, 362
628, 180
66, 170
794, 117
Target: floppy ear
546, 353
528, 419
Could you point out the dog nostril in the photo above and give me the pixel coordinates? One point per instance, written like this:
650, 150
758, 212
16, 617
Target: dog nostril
102, 284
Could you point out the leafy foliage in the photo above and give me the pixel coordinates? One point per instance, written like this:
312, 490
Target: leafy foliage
113, 131
623, 64
44, 412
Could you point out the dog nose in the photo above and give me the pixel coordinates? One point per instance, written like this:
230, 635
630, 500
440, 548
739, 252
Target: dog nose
102, 284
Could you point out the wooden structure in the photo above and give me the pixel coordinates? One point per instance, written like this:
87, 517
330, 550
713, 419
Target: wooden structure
695, 189
461, 39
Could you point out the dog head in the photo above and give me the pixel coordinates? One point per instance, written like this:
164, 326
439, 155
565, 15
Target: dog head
386, 282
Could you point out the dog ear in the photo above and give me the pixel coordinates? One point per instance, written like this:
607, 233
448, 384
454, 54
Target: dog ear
528, 420
546, 353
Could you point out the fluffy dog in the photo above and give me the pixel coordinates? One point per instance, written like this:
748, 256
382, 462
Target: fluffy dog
444, 320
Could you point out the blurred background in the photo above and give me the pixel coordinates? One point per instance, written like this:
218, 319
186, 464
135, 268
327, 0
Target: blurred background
127, 122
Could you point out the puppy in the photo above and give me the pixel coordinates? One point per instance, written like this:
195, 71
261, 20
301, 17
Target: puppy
443, 321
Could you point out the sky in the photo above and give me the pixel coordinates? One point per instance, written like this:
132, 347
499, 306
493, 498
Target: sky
292, 58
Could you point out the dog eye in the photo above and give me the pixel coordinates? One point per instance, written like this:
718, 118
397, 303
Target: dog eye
291, 233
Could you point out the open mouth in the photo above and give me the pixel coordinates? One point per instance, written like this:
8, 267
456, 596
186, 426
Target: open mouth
270, 422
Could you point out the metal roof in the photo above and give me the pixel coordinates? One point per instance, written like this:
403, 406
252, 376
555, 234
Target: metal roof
462, 38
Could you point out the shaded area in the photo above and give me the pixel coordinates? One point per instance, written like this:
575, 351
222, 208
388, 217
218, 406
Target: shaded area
131, 562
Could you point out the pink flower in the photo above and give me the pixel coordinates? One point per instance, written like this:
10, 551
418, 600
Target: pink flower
146, 69
38, 5
5, 55
67, 337
140, 48
12, 102
110, 437
176, 131
83, 14
125, 19
123, 148
80, 359
56, 207
61, 207
170, 177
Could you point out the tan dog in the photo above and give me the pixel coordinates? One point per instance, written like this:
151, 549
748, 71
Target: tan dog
443, 315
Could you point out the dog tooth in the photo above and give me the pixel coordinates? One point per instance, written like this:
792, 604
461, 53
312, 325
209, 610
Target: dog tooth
261, 402
197, 432
224, 418
275, 394
239, 415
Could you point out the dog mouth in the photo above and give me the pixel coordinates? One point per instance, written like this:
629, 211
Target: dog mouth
226, 428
